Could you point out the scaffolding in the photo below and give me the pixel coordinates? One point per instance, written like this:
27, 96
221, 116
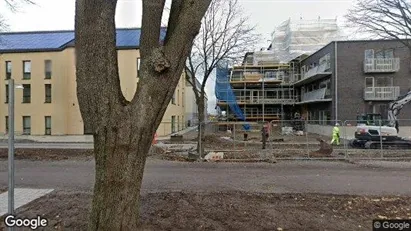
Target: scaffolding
293, 38
260, 91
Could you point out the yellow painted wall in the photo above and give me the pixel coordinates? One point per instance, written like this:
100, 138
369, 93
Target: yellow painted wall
64, 110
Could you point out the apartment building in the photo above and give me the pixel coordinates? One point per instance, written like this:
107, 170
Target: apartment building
337, 82
347, 78
43, 63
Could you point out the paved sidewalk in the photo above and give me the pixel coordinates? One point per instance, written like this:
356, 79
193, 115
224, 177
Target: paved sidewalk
22, 196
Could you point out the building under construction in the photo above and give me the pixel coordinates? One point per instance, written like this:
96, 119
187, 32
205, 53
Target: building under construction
262, 87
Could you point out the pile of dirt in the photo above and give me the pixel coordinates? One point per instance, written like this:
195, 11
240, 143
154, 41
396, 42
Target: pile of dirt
324, 151
217, 142
229, 211
47, 154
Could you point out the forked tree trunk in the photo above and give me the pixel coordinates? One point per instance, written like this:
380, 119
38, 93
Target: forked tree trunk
123, 130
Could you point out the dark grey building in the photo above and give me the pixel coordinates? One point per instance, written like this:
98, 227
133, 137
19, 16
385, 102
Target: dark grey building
347, 78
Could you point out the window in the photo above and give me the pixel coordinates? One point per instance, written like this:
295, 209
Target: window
173, 126
380, 54
178, 123
47, 88
383, 82
47, 124
8, 69
326, 61
7, 124
384, 54
26, 125
26, 93
26, 69
47, 69
173, 100
369, 54
178, 97
7, 93
138, 67
183, 99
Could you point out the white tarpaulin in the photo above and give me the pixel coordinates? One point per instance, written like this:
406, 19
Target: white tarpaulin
293, 38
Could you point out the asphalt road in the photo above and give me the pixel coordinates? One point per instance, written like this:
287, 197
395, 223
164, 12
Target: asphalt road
314, 177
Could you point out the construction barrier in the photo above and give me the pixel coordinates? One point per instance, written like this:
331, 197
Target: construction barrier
287, 140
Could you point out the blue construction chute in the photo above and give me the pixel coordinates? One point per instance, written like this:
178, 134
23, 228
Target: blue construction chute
224, 92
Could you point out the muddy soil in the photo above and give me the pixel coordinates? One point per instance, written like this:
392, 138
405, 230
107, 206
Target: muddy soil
47, 154
229, 211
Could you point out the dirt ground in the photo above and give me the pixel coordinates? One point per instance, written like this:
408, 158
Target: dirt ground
47, 154
229, 211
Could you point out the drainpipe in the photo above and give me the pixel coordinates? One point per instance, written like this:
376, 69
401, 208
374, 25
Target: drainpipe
336, 80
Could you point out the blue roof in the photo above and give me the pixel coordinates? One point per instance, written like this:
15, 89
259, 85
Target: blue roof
58, 40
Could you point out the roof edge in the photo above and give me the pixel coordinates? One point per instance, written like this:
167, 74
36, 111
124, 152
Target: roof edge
65, 31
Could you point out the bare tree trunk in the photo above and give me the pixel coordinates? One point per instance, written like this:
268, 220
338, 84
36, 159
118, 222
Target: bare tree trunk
123, 130
201, 123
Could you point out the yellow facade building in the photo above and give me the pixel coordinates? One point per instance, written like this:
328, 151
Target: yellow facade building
44, 64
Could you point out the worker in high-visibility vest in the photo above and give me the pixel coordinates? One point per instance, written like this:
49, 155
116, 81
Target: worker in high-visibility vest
336, 134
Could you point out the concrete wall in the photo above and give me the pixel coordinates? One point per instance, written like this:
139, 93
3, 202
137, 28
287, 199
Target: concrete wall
64, 109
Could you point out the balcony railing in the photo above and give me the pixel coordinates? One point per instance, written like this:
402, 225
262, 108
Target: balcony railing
321, 69
381, 93
314, 95
261, 100
381, 65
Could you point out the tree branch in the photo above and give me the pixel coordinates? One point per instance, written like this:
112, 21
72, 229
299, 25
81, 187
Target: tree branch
150, 26
383, 18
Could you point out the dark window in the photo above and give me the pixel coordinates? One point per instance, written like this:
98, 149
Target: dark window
173, 100
26, 125
26, 69
47, 123
173, 125
178, 97
8, 69
7, 124
47, 69
48, 93
26, 93
7, 93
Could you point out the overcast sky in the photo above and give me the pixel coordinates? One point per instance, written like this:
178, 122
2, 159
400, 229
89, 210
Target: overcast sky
265, 14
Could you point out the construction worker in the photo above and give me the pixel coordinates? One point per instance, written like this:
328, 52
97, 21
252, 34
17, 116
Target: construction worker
336, 134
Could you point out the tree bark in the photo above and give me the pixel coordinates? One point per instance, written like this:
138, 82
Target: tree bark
123, 130
201, 123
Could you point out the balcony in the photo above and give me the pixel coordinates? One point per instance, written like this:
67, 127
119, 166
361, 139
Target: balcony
382, 65
381, 93
314, 74
319, 95
261, 100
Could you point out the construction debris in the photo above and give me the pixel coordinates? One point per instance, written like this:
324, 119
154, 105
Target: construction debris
212, 156
324, 151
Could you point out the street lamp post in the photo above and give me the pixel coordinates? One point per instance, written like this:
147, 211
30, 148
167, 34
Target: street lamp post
11, 147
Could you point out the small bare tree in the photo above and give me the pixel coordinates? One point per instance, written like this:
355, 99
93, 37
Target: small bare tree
389, 19
123, 130
224, 35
